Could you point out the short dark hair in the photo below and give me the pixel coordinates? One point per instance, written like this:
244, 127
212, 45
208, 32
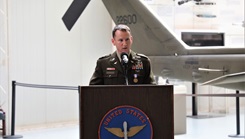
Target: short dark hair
120, 27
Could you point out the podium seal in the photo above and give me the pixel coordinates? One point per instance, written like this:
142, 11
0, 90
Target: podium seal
125, 122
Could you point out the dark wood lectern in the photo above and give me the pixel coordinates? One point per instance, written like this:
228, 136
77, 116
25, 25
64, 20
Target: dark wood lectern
155, 101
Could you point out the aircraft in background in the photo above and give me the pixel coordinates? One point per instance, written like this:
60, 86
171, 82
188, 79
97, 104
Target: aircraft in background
171, 58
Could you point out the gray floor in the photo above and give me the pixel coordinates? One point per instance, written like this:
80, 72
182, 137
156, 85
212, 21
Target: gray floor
213, 127
204, 127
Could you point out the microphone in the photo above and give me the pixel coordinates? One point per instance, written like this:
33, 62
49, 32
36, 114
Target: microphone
124, 57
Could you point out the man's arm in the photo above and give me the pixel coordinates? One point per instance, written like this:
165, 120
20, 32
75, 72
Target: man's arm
97, 78
149, 78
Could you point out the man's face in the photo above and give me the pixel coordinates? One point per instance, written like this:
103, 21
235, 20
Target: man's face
123, 41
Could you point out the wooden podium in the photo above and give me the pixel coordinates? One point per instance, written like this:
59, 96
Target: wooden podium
155, 101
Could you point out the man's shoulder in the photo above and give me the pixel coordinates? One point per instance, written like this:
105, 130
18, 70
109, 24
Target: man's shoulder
105, 57
141, 56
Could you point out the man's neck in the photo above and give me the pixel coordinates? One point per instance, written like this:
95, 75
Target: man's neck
119, 55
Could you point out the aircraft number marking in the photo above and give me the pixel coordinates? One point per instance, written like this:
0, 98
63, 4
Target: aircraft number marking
126, 19
191, 64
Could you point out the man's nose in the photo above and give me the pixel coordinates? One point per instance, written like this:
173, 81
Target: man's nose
124, 42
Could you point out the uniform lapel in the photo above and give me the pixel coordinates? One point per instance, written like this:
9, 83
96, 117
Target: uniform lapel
115, 62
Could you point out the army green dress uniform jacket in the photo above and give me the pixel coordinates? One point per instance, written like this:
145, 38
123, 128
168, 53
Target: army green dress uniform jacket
109, 70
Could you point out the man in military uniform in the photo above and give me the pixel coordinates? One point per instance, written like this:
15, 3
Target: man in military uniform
110, 70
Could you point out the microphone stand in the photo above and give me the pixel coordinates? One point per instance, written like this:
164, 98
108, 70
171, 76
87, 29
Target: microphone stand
125, 67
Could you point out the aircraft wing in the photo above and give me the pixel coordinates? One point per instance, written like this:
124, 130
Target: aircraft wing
236, 79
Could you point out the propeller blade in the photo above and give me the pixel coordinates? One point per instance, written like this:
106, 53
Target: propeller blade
74, 12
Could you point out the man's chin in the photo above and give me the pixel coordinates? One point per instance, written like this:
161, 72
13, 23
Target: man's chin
126, 51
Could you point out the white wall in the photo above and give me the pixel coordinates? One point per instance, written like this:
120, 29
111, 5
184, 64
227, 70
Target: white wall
40, 50
4, 66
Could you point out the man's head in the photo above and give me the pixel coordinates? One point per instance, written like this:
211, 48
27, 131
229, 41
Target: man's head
122, 38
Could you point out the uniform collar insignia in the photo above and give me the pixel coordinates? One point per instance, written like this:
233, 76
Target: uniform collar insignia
112, 59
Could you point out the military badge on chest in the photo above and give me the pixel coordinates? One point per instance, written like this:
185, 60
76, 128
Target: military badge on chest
135, 78
137, 67
111, 72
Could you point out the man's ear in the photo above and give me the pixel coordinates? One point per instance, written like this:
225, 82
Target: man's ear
113, 41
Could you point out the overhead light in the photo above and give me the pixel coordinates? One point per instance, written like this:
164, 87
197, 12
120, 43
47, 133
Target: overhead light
205, 3
206, 15
185, 1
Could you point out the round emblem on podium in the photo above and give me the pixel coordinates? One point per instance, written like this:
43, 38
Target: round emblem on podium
125, 122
